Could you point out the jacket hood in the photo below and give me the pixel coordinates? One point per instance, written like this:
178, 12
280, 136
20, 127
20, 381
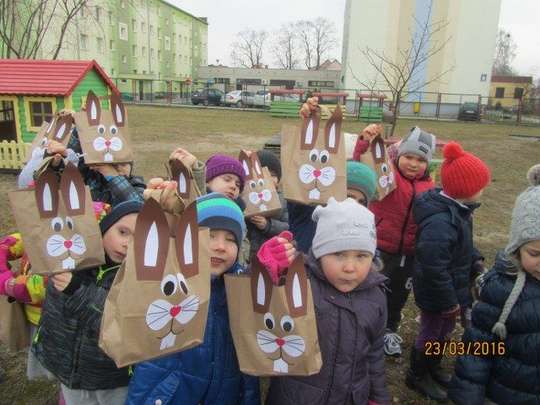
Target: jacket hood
504, 263
433, 202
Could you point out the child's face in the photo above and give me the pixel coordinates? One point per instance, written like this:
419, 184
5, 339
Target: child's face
228, 184
223, 251
346, 270
412, 166
117, 237
530, 258
357, 196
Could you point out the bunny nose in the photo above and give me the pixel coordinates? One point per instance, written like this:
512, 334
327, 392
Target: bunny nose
68, 244
107, 143
175, 310
316, 173
280, 342
260, 195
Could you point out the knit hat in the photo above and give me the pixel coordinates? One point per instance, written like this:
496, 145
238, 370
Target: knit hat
525, 228
341, 226
220, 164
216, 211
462, 173
418, 142
119, 211
270, 160
361, 177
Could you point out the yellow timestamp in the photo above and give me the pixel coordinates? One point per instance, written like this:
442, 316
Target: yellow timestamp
452, 348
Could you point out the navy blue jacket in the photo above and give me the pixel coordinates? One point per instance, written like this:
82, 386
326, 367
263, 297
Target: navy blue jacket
301, 225
511, 378
444, 252
208, 373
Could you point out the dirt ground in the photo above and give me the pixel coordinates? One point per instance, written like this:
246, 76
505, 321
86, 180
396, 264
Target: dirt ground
157, 130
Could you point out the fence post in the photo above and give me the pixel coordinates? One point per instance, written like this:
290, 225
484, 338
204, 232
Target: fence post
438, 108
519, 111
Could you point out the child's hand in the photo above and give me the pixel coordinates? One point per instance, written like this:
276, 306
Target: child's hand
452, 312
105, 170
62, 280
57, 150
371, 131
276, 254
259, 221
183, 156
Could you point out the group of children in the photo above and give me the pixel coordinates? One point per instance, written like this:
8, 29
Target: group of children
362, 257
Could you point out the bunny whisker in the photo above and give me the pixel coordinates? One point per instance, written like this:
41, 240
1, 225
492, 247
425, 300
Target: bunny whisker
56, 248
290, 343
191, 301
158, 312
157, 319
157, 306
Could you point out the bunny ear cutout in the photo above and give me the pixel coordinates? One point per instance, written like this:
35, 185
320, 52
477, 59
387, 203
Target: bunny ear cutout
378, 149
118, 110
62, 128
332, 131
93, 109
73, 190
244, 158
187, 242
296, 287
151, 242
256, 164
183, 177
46, 193
261, 287
50, 126
310, 130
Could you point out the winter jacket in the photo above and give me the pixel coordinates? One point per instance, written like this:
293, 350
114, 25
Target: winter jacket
207, 374
396, 229
275, 225
352, 353
66, 342
509, 377
444, 252
301, 225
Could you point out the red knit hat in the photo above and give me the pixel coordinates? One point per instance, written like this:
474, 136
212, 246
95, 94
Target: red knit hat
462, 173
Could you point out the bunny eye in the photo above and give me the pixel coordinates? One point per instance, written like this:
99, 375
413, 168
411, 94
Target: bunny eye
325, 156
57, 224
260, 183
101, 129
113, 130
269, 321
168, 285
314, 155
183, 284
70, 224
384, 168
252, 184
287, 323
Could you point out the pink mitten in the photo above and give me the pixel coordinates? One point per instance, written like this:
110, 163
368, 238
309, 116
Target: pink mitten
273, 255
5, 272
17, 289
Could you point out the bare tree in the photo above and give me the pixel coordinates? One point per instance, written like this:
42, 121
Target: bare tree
505, 53
286, 48
399, 73
248, 50
318, 38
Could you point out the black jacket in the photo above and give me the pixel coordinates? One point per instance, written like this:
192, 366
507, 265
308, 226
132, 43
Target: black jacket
444, 252
510, 377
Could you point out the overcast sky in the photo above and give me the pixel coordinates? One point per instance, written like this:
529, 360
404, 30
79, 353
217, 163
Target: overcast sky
227, 18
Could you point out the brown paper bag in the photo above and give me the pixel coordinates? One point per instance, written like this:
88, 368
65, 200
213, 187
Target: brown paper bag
376, 157
104, 135
187, 186
259, 193
158, 303
59, 130
14, 328
277, 334
57, 223
314, 161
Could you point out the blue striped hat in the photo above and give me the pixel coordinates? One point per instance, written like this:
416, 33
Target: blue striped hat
216, 211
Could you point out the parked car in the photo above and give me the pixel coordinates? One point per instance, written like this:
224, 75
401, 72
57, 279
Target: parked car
262, 99
469, 111
239, 98
207, 96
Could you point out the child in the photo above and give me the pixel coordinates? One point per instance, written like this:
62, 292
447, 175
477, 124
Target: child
208, 373
225, 175
506, 319
350, 308
66, 343
444, 255
259, 228
396, 228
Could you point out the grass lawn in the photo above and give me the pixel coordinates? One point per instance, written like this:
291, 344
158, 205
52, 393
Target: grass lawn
157, 130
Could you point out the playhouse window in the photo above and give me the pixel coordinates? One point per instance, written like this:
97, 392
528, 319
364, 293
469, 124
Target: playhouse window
40, 111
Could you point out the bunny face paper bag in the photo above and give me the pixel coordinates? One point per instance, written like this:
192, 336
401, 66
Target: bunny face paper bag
57, 222
259, 195
59, 130
314, 160
158, 303
104, 135
273, 327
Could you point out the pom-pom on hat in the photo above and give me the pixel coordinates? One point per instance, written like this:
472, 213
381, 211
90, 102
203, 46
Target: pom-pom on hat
462, 174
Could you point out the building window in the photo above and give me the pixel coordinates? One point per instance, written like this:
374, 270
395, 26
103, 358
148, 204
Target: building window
123, 4
123, 31
483, 77
134, 50
499, 92
144, 51
167, 43
124, 59
179, 39
111, 21
112, 72
151, 29
320, 83
40, 111
518, 92
84, 41
135, 71
222, 80
99, 43
159, 33
152, 53
98, 13
134, 25
159, 55
143, 27
166, 21
111, 45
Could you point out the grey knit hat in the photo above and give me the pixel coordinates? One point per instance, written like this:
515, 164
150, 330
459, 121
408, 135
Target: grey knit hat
341, 226
525, 228
418, 142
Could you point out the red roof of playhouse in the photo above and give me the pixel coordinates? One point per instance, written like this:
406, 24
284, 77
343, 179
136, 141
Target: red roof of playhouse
46, 77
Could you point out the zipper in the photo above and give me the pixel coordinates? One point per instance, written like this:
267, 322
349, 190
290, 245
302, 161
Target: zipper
103, 271
402, 237
334, 361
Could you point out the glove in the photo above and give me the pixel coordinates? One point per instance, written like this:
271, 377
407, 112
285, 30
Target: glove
5, 272
273, 255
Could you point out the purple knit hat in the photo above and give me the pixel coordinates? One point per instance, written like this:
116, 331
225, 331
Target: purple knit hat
220, 164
